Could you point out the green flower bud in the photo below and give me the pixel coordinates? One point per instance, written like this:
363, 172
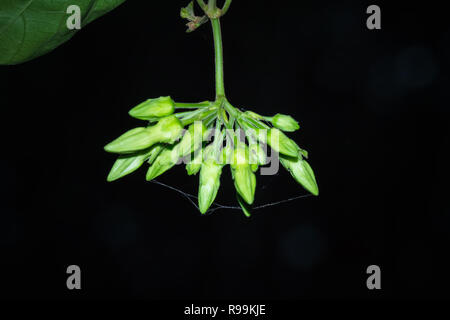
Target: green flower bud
226, 154
133, 140
153, 108
284, 122
165, 161
193, 167
302, 173
281, 143
154, 152
257, 154
209, 184
192, 139
240, 155
127, 164
244, 206
245, 182
167, 130
244, 178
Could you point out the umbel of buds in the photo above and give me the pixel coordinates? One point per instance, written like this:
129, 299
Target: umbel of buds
205, 135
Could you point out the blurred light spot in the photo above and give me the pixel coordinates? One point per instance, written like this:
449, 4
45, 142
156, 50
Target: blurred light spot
303, 247
381, 79
416, 67
392, 77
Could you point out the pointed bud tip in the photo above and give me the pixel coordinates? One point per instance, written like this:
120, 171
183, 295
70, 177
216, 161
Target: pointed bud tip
112, 178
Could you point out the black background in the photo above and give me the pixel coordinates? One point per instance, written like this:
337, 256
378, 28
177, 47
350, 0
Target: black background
373, 107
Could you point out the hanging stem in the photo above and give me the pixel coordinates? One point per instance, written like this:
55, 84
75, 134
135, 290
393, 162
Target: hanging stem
218, 51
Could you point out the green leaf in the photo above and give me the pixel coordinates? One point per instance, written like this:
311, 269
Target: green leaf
32, 28
188, 12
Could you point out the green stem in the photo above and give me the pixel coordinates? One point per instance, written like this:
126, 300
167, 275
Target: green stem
182, 105
212, 5
257, 123
181, 115
202, 4
197, 115
226, 6
231, 110
218, 52
210, 119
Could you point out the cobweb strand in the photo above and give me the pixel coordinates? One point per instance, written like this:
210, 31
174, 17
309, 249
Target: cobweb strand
218, 206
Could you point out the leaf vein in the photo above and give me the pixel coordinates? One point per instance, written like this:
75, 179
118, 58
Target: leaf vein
16, 17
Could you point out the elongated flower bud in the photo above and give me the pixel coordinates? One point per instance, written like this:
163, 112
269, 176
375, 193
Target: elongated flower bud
244, 178
193, 167
167, 130
240, 156
209, 184
244, 206
127, 164
281, 143
192, 139
155, 150
257, 154
285, 122
165, 161
302, 173
153, 108
227, 154
133, 140
245, 182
